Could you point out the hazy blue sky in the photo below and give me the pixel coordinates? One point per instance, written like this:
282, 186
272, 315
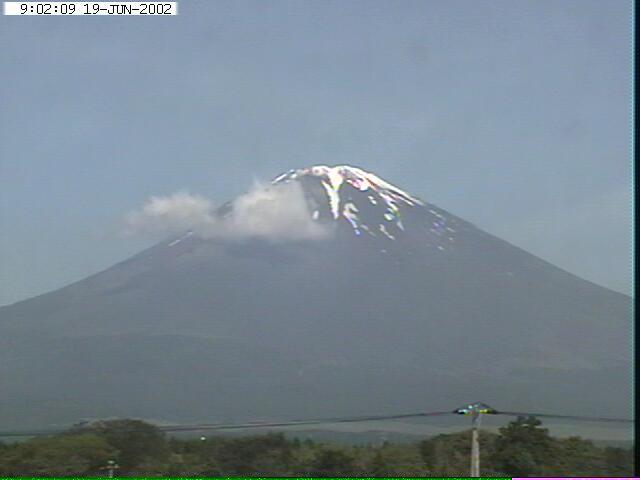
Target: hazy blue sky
514, 115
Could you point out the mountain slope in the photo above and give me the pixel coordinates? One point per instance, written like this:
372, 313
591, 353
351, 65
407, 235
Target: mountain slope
383, 303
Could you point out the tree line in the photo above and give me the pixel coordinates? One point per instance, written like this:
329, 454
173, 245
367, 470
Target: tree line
521, 448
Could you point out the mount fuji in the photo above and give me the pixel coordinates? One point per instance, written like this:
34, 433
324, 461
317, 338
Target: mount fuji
373, 302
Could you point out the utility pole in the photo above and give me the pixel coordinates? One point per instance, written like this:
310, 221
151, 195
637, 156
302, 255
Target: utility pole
475, 410
111, 467
475, 445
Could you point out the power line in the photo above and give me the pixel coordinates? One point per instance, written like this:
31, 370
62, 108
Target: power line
174, 428
302, 422
238, 426
567, 417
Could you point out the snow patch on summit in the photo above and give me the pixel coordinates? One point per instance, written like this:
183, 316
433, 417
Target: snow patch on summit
305, 204
356, 177
378, 192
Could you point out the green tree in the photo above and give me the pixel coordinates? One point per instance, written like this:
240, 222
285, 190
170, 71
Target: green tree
577, 457
61, 455
524, 448
271, 453
379, 466
618, 462
333, 463
137, 442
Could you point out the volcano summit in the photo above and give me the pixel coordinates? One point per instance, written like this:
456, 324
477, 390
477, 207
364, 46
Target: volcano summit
373, 301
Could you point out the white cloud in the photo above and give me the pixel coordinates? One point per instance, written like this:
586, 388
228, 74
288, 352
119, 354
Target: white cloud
276, 212
171, 214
